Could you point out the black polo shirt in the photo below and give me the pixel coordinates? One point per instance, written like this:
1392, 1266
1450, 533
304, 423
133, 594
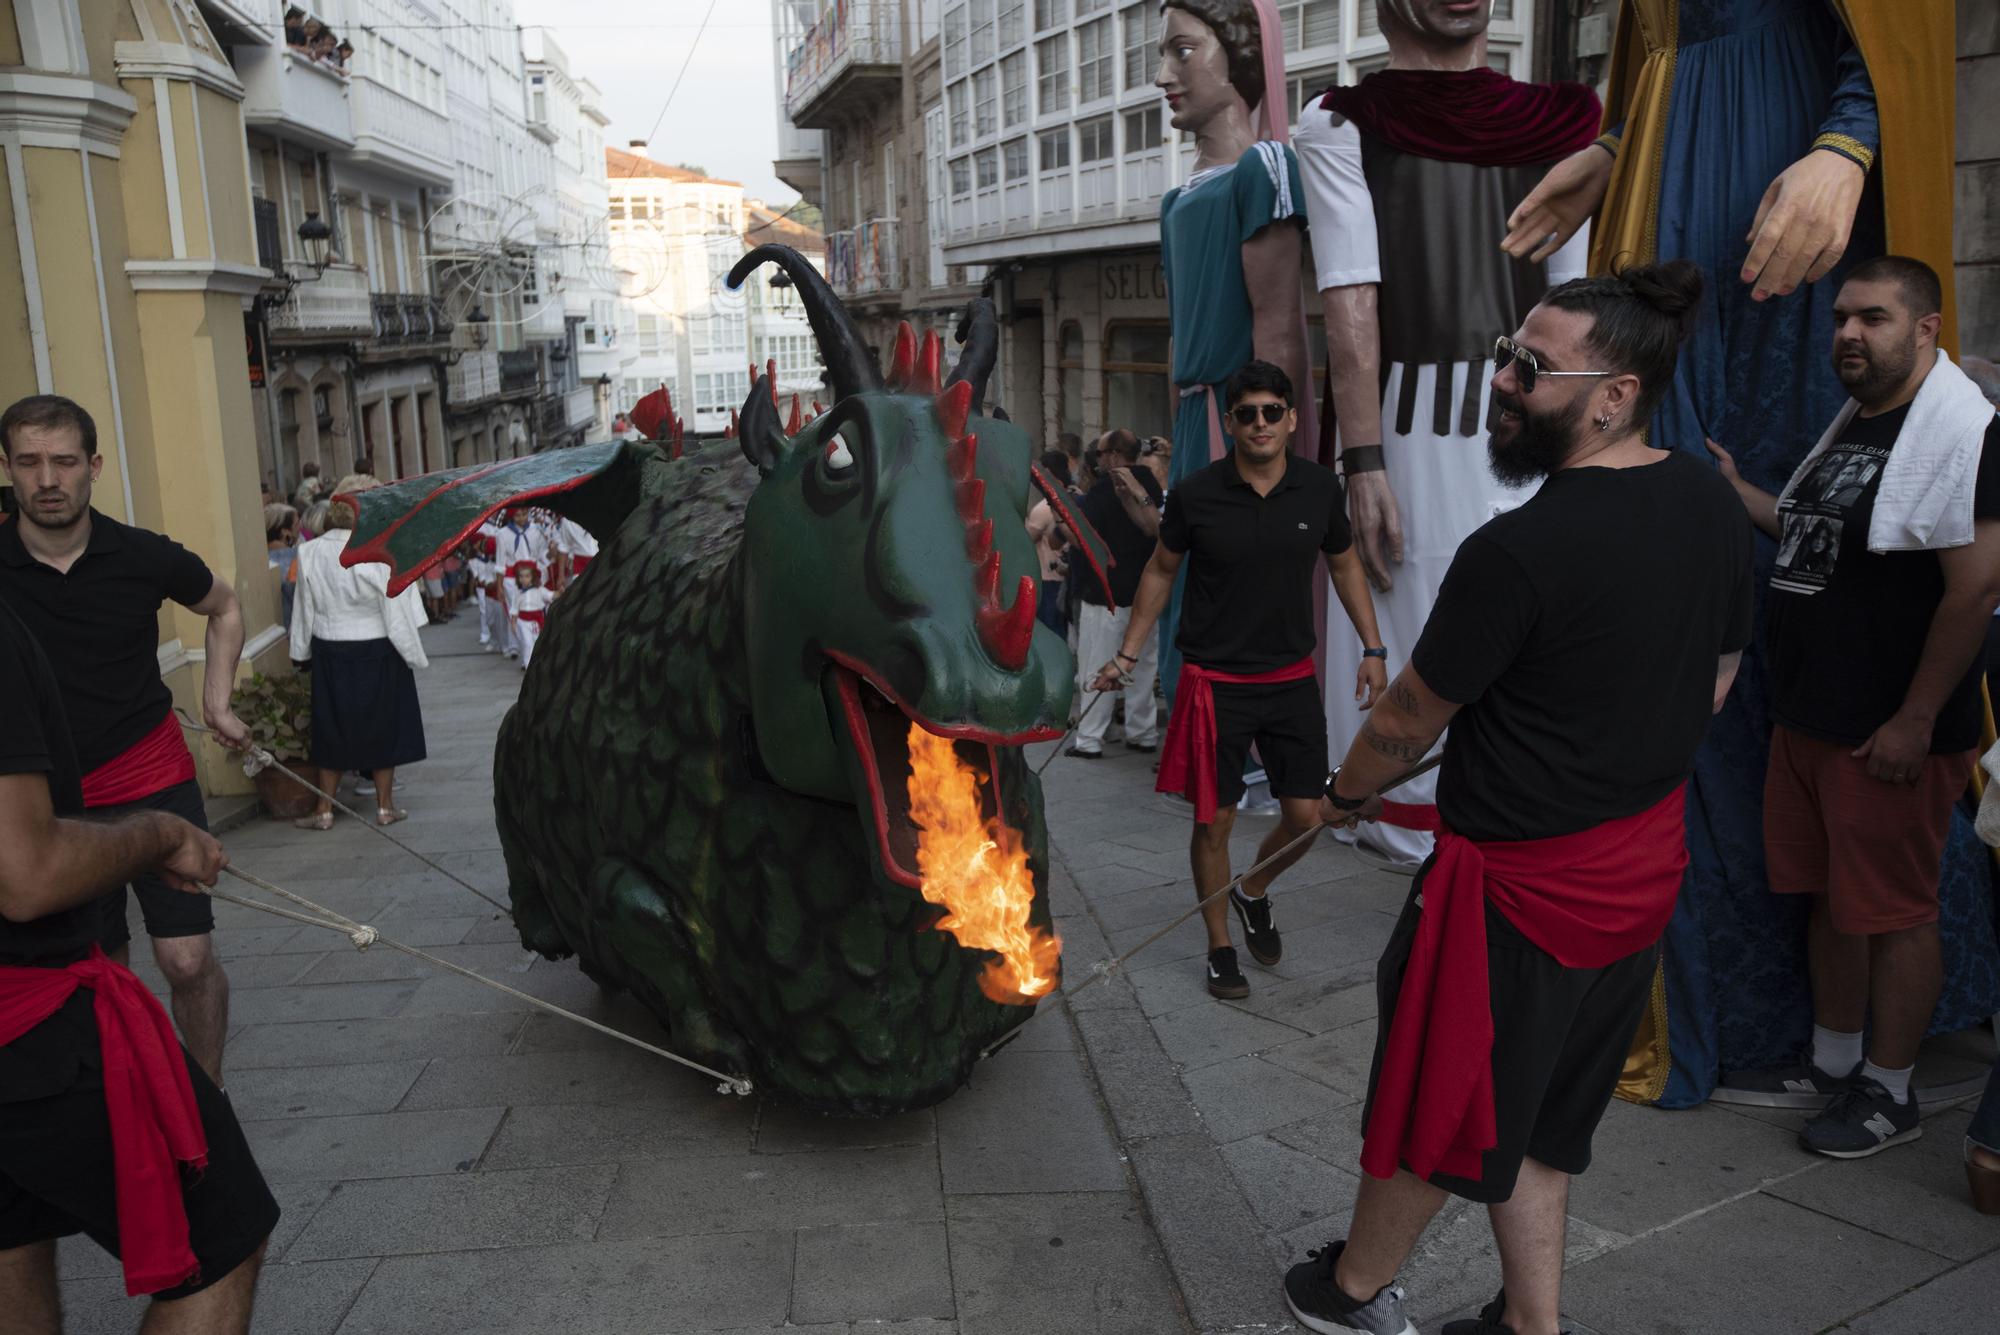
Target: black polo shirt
1253, 562
34, 739
1130, 546
99, 625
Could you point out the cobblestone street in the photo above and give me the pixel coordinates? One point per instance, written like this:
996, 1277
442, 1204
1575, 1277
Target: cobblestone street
1141, 1162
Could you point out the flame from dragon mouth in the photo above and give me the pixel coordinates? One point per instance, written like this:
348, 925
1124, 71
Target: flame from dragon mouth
976, 867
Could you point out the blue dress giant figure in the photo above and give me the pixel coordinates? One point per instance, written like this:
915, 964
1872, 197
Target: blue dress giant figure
1744, 135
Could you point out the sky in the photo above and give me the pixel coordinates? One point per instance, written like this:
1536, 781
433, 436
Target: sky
724, 116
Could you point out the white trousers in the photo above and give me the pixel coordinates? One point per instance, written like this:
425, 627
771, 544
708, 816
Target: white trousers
1100, 633
526, 632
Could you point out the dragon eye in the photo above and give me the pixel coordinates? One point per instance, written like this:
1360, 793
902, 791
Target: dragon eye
839, 459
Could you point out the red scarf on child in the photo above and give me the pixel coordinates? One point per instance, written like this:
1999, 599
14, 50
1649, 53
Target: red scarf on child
1589, 899
1187, 757
148, 1097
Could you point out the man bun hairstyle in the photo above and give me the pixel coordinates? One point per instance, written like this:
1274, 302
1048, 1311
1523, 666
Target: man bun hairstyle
47, 411
1918, 283
1242, 36
1255, 376
1640, 316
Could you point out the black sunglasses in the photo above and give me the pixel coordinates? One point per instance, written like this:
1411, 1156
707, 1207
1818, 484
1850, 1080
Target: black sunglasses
1246, 413
1526, 368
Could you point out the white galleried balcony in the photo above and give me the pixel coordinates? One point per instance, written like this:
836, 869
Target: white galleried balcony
306, 99
335, 305
580, 407
473, 378
853, 52
862, 261
398, 135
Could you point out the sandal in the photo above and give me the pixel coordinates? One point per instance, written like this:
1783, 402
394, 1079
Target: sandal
319, 821
390, 815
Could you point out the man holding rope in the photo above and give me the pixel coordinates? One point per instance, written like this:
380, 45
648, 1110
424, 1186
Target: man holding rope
90, 590
1578, 647
107, 1125
1254, 527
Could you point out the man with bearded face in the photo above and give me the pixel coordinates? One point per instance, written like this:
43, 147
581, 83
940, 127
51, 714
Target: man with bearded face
1579, 646
1229, 236
1410, 176
1887, 575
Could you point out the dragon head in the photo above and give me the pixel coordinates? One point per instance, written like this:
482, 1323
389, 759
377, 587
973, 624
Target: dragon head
889, 579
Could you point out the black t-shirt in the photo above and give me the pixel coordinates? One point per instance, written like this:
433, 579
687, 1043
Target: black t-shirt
35, 740
99, 624
1253, 562
1130, 546
1580, 632
1847, 625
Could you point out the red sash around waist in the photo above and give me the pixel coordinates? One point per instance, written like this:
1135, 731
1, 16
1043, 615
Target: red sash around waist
1589, 899
148, 1098
1187, 756
579, 564
534, 617
158, 760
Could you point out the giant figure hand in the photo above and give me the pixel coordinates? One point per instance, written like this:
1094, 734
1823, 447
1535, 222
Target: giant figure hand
1801, 228
1561, 203
1353, 369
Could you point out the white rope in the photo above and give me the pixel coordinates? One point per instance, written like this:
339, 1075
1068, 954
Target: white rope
363, 936
260, 759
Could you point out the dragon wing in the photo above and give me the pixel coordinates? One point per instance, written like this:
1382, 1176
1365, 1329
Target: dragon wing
1096, 552
410, 525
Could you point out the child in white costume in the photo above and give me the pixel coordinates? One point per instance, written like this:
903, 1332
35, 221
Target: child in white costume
531, 605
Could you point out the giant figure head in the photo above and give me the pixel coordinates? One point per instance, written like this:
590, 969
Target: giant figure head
1211, 61
1433, 23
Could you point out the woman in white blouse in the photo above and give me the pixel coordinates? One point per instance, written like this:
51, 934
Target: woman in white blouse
361, 645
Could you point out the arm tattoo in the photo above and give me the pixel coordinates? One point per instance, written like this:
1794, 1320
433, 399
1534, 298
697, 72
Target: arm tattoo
1405, 699
1410, 752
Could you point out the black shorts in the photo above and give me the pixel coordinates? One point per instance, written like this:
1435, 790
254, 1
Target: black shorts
1288, 724
55, 1154
1559, 1042
168, 912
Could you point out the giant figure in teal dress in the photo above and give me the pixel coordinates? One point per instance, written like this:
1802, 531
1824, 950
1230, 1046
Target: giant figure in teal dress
1230, 237
1722, 115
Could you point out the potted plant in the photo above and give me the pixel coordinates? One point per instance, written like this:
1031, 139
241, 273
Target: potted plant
278, 713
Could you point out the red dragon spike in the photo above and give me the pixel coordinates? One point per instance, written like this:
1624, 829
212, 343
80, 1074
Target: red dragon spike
952, 408
818, 407
978, 540
734, 426
986, 580
972, 500
903, 359
794, 422
961, 457
1008, 633
924, 380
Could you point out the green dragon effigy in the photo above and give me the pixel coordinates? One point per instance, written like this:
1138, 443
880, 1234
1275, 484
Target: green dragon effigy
704, 791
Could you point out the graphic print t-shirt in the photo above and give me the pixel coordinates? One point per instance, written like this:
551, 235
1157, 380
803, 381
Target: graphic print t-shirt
1847, 625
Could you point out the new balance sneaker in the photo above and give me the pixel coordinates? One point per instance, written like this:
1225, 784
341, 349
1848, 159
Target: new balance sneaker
1225, 979
1801, 1085
1258, 932
1320, 1304
1863, 1119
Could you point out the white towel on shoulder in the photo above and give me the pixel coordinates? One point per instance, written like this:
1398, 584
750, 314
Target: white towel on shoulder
1924, 502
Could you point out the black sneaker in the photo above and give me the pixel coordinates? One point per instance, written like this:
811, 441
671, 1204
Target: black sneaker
1320, 1305
1258, 932
1862, 1120
1225, 980
1082, 754
1801, 1085
1488, 1322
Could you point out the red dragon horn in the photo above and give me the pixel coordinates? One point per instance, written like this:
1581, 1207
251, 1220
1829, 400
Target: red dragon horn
794, 422
1008, 633
953, 406
904, 358
925, 378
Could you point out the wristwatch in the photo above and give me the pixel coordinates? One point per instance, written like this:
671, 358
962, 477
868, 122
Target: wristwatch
1380, 651
1339, 802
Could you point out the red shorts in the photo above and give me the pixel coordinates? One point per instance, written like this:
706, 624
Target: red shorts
1873, 848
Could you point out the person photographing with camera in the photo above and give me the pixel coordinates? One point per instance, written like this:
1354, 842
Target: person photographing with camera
1253, 529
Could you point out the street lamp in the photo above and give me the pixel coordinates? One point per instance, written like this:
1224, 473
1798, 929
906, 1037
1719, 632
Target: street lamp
314, 235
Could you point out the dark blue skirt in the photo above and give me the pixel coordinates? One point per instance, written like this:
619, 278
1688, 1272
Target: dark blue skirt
365, 714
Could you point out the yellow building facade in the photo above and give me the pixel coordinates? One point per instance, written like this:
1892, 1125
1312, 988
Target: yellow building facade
127, 261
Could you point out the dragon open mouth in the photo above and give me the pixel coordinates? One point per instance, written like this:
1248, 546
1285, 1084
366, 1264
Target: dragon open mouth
931, 792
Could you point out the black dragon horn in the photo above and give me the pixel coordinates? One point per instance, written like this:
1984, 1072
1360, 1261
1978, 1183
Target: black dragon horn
979, 331
847, 358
